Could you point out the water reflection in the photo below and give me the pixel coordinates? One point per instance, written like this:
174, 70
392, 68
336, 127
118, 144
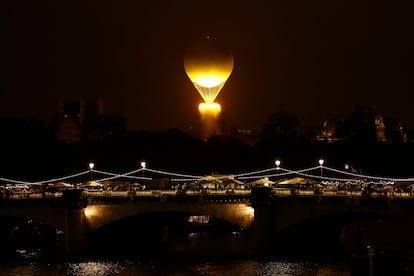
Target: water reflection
23, 270
254, 268
94, 268
172, 266
214, 249
270, 268
281, 268
33, 263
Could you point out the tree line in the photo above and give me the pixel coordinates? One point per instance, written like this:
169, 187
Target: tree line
30, 150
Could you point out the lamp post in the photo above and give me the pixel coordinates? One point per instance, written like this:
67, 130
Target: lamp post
321, 161
143, 166
91, 166
277, 163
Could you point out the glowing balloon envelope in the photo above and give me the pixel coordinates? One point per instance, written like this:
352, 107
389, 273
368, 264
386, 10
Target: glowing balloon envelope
208, 67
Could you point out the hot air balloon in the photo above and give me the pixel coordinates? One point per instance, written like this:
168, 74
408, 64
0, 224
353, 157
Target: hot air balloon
208, 67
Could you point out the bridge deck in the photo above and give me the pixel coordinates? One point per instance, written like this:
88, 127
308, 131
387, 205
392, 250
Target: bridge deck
212, 194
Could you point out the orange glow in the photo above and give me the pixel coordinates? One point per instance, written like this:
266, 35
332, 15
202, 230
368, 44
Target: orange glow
208, 68
209, 77
248, 211
209, 116
213, 108
90, 211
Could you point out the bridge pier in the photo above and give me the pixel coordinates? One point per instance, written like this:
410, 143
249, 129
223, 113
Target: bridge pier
263, 230
74, 221
74, 236
263, 219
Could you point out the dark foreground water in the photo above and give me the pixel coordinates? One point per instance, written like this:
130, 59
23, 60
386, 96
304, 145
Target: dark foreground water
32, 263
222, 250
236, 267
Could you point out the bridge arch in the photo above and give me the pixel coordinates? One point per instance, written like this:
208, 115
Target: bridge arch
97, 216
306, 223
51, 216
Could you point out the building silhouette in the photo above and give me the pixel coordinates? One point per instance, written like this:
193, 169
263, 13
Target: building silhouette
73, 116
384, 131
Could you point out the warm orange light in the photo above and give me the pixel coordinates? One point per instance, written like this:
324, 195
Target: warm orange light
209, 116
208, 67
213, 108
246, 214
208, 78
90, 211
248, 211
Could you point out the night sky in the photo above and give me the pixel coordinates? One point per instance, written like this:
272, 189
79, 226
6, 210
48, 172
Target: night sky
314, 59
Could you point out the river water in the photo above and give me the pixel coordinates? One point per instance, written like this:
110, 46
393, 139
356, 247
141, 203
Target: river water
30, 265
127, 249
34, 262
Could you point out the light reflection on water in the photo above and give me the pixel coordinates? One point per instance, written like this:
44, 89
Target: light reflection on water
94, 268
173, 267
268, 268
252, 268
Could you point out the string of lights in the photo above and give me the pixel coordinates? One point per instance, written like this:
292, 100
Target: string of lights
288, 172
60, 178
259, 172
12, 181
176, 174
351, 180
262, 173
44, 181
369, 177
117, 174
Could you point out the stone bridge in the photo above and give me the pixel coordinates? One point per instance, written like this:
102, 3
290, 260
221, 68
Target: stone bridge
315, 221
233, 210
78, 216
282, 221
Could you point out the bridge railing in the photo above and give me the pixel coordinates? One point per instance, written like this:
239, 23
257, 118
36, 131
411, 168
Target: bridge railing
224, 193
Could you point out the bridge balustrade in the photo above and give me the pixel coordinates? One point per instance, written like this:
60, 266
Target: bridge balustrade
219, 193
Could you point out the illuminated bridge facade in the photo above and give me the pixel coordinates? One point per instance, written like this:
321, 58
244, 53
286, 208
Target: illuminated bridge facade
276, 217
269, 216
